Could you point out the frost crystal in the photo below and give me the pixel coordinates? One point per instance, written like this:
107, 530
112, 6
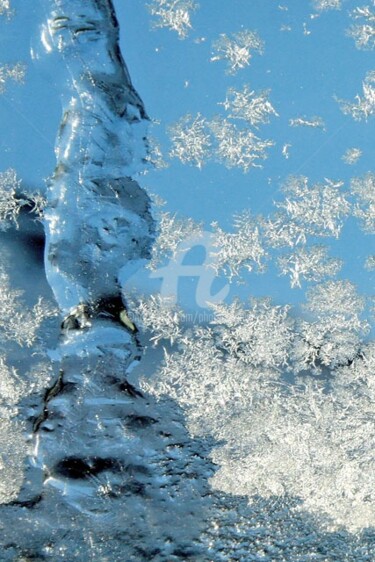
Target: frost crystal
9, 203
17, 322
333, 336
181, 376
209, 372
312, 122
259, 335
285, 151
363, 32
38, 202
305, 444
255, 108
11, 200
240, 249
172, 231
279, 231
370, 263
12, 456
15, 73
364, 106
238, 50
196, 140
5, 8
154, 155
12, 387
364, 189
323, 5
174, 15
318, 209
238, 148
278, 439
191, 140
352, 155
311, 264
158, 314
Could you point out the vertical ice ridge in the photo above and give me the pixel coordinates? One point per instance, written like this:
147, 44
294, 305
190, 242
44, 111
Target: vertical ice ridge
98, 224
95, 212
112, 475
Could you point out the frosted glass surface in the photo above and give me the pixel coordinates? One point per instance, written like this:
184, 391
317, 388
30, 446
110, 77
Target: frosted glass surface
187, 220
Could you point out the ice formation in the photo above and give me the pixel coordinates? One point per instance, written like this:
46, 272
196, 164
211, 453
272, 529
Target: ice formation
113, 474
102, 467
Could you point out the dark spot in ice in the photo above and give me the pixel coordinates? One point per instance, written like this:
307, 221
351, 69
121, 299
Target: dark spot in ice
70, 323
165, 434
133, 421
134, 487
35, 244
28, 503
50, 393
138, 469
77, 468
78, 318
125, 386
28, 556
148, 554
68, 387
111, 304
185, 554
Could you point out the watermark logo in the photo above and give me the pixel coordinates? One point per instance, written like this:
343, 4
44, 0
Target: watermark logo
175, 269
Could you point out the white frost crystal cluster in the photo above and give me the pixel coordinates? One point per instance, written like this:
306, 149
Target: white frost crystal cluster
196, 140
306, 212
259, 335
16, 73
253, 107
19, 323
237, 50
323, 5
315, 122
5, 8
15, 387
278, 439
364, 106
174, 15
332, 334
158, 314
242, 248
19, 326
351, 156
172, 231
12, 200
191, 140
311, 264
9, 205
363, 30
12, 387
306, 443
370, 263
238, 148
319, 209
364, 189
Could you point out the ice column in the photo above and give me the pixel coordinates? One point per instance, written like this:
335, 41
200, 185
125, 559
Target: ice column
98, 226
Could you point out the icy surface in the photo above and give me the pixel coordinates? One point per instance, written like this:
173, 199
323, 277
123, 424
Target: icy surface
113, 473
